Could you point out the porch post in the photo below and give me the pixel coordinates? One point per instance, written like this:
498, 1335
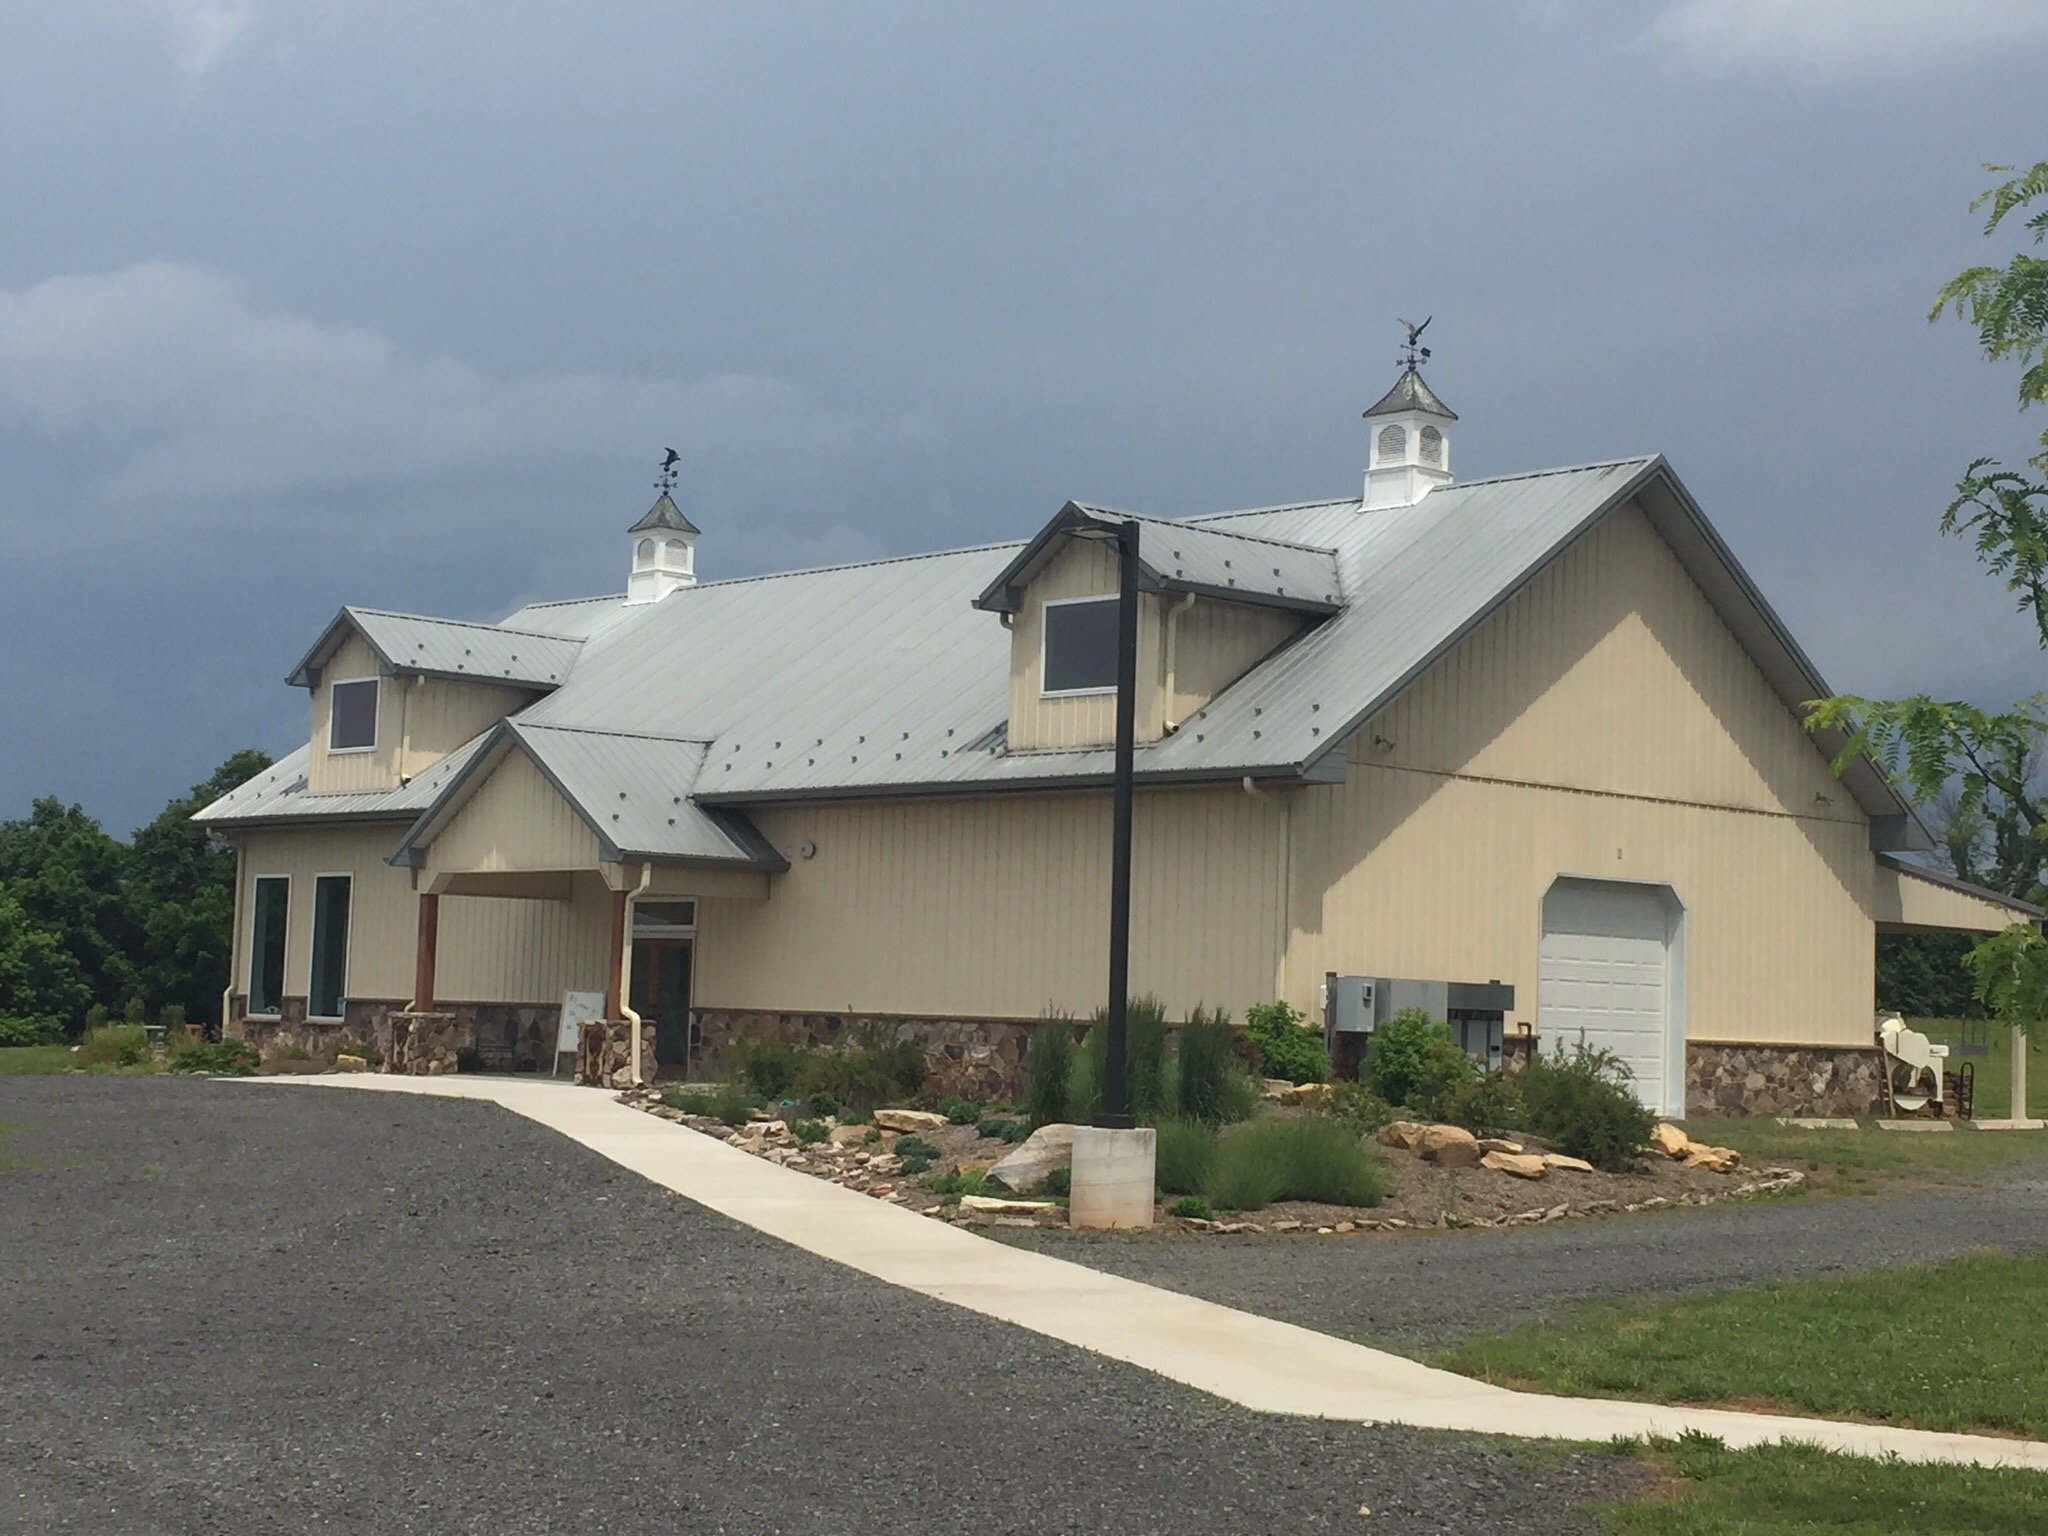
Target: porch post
614, 1001
423, 964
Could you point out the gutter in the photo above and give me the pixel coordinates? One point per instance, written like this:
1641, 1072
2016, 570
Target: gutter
626, 969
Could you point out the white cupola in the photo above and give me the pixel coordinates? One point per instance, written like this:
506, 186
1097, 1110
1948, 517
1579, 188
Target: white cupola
1411, 444
664, 552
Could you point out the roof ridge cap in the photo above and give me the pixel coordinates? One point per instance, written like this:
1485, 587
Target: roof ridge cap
519, 723
433, 618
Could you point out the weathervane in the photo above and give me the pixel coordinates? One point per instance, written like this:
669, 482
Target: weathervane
1414, 354
667, 482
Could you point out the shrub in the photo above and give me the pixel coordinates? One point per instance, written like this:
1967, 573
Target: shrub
114, 1045
1144, 1062
960, 1111
915, 1153
824, 1104
1296, 1157
874, 1135
808, 1132
1445, 1068
1359, 1107
1060, 1183
951, 1186
96, 1017
171, 1019
1048, 1072
297, 1052
223, 1058
1489, 1105
863, 1076
1006, 1129
134, 1012
1287, 1048
701, 1102
16, 1031
1579, 1099
1186, 1153
1398, 1049
769, 1067
1208, 1083
1192, 1206
732, 1103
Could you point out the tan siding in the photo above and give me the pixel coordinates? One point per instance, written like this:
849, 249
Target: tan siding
1084, 568
516, 820
1907, 903
1211, 644
420, 720
1592, 727
499, 950
999, 907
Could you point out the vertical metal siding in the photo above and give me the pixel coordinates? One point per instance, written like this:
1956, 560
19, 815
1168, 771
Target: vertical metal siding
1084, 568
1215, 643
514, 821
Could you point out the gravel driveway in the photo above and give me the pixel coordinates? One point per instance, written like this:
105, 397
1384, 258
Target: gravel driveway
250, 1308
1430, 1289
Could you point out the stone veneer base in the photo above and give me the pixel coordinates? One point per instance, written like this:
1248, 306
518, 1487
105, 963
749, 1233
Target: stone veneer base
1737, 1078
508, 1037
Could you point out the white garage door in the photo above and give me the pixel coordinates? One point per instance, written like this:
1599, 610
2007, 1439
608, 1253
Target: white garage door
1606, 970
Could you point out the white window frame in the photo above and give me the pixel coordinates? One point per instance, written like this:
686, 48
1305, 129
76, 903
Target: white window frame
376, 714
347, 944
283, 970
1045, 634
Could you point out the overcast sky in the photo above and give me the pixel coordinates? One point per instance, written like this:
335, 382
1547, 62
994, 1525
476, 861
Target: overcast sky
396, 304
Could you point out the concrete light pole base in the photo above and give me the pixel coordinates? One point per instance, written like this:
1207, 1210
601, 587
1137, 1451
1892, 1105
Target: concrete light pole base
1113, 1178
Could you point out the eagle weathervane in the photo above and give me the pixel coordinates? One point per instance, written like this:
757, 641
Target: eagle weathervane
1414, 354
667, 482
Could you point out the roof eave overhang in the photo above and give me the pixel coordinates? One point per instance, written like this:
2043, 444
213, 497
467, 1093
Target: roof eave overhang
2022, 909
307, 673
1281, 774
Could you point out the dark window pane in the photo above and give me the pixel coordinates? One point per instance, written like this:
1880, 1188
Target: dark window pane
266, 944
327, 986
1080, 646
352, 714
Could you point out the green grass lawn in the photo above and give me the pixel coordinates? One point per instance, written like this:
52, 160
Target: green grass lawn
26, 1060
1869, 1160
1955, 1346
1790, 1490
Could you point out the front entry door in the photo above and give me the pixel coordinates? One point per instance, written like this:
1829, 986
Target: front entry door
661, 992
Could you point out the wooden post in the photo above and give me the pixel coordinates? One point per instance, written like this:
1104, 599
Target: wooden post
614, 1003
423, 964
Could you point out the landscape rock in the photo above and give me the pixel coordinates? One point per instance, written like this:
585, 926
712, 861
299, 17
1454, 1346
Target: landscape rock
1276, 1088
1714, 1159
909, 1121
348, 1063
1405, 1134
1523, 1165
1670, 1140
990, 1204
1498, 1144
1034, 1158
847, 1135
1312, 1093
1568, 1164
1449, 1146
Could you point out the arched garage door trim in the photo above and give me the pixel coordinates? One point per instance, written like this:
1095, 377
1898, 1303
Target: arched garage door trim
1601, 940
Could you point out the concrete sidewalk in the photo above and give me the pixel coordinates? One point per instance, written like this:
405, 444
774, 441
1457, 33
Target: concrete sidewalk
1261, 1364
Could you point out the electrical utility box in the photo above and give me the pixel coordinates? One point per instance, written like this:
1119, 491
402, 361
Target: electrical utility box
1475, 1011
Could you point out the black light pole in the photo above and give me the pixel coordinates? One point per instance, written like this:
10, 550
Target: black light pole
1114, 1111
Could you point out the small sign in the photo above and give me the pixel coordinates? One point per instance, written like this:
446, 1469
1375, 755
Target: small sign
578, 1009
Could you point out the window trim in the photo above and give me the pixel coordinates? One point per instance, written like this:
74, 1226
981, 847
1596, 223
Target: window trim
376, 711
313, 945
249, 976
1045, 634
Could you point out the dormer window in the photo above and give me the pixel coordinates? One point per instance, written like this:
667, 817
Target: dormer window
1079, 653
352, 715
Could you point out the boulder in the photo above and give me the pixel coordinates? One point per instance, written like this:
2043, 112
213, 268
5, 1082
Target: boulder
348, 1063
847, 1135
1450, 1146
909, 1121
1405, 1134
1669, 1140
1523, 1165
1713, 1159
1277, 1088
1028, 1164
1312, 1093
1568, 1164
1498, 1144
988, 1204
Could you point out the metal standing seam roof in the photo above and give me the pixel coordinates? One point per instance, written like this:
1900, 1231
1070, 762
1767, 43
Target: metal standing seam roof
408, 643
634, 792
279, 796
1186, 557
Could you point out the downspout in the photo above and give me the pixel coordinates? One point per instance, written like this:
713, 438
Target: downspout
227, 997
405, 727
626, 969
1173, 614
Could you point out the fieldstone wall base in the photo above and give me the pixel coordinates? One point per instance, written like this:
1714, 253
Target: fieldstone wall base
974, 1058
425, 1044
366, 1028
1783, 1079
604, 1055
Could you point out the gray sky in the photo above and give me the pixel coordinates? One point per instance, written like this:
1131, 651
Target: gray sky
351, 301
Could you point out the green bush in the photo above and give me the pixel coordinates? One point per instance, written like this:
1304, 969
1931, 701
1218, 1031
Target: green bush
1287, 1048
1445, 1069
728, 1102
1060, 1183
1007, 1129
1359, 1107
809, 1132
222, 1058
1490, 1105
824, 1105
915, 1153
114, 1045
862, 1077
16, 1031
1048, 1072
951, 1186
1209, 1085
960, 1111
1395, 1057
134, 1012
1580, 1100
1185, 1154
701, 1102
171, 1019
1295, 1157
1192, 1206
96, 1017
1144, 1062
769, 1067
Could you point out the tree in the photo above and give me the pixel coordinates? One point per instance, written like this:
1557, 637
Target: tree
41, 990
70, 877
1981, 763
